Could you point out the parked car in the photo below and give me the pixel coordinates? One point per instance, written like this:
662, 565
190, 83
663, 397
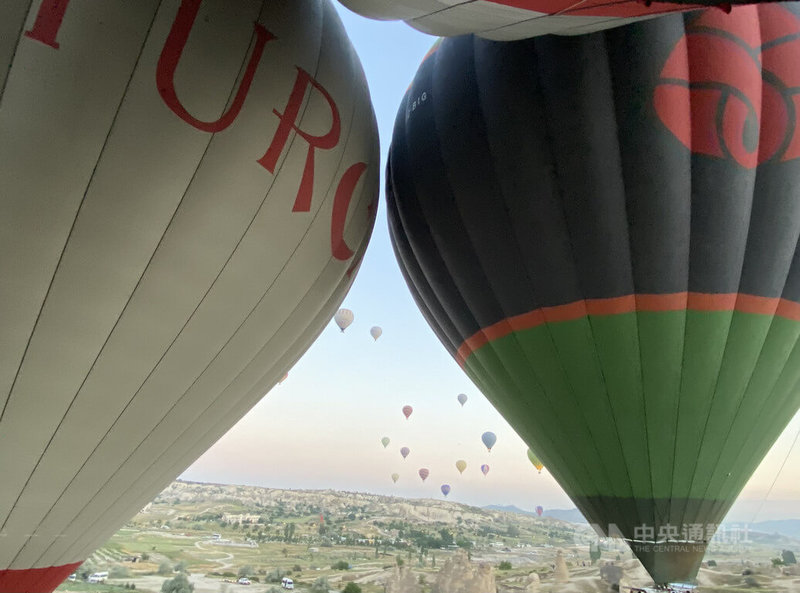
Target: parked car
243, 581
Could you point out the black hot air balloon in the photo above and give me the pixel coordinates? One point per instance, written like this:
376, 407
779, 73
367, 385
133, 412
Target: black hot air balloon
603, 231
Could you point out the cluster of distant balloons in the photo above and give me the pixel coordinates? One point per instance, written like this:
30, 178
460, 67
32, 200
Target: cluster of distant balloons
488, 438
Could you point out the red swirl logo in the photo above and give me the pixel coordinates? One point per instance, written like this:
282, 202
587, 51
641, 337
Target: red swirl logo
731, 86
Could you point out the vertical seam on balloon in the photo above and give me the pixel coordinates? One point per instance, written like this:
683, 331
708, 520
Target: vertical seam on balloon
655, 507
514, 335
247, 317
50, 286
603, 501
20, 40
133, 292
681, 383
726, 349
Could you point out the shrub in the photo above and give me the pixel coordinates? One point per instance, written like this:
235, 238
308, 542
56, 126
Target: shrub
351, 588
179, 584
341, 565
165, 568
118, 571
504, 565
245, 570
320, 586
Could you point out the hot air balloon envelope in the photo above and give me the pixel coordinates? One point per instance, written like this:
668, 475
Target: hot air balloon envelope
343, 318
395, 477
385, 442
375, 332
461, 465
423, 473
485, 469
539, 511
535, 460
404, 451
407, 411
445, 489
462, 398
606, 240
166, 251
489, 439
505, 20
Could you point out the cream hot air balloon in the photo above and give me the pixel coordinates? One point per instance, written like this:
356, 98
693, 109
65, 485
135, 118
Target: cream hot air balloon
395, 477
504, 20
375, 332
461, 465
186, 191
385, 442
343, 318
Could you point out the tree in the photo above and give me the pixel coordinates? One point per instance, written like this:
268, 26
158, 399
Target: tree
351, 588
165, 568
245, 571
594, 552
119, 571
504, 565
788, 557
180, 567
320, 586
179, 584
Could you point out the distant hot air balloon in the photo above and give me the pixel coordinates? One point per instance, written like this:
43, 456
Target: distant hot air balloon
505, 20
489, 439
539, 511
635, 315
535, 460
395, 477
407, 411
404, 452
186, 189
385, 442
445, 488
485, 469
343, 318
462, 399
375, 332
423, 473
461, 465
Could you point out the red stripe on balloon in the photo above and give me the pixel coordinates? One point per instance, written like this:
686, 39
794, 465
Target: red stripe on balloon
657, 303
35, 580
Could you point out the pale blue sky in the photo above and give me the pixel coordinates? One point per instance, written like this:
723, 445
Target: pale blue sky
322, 427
